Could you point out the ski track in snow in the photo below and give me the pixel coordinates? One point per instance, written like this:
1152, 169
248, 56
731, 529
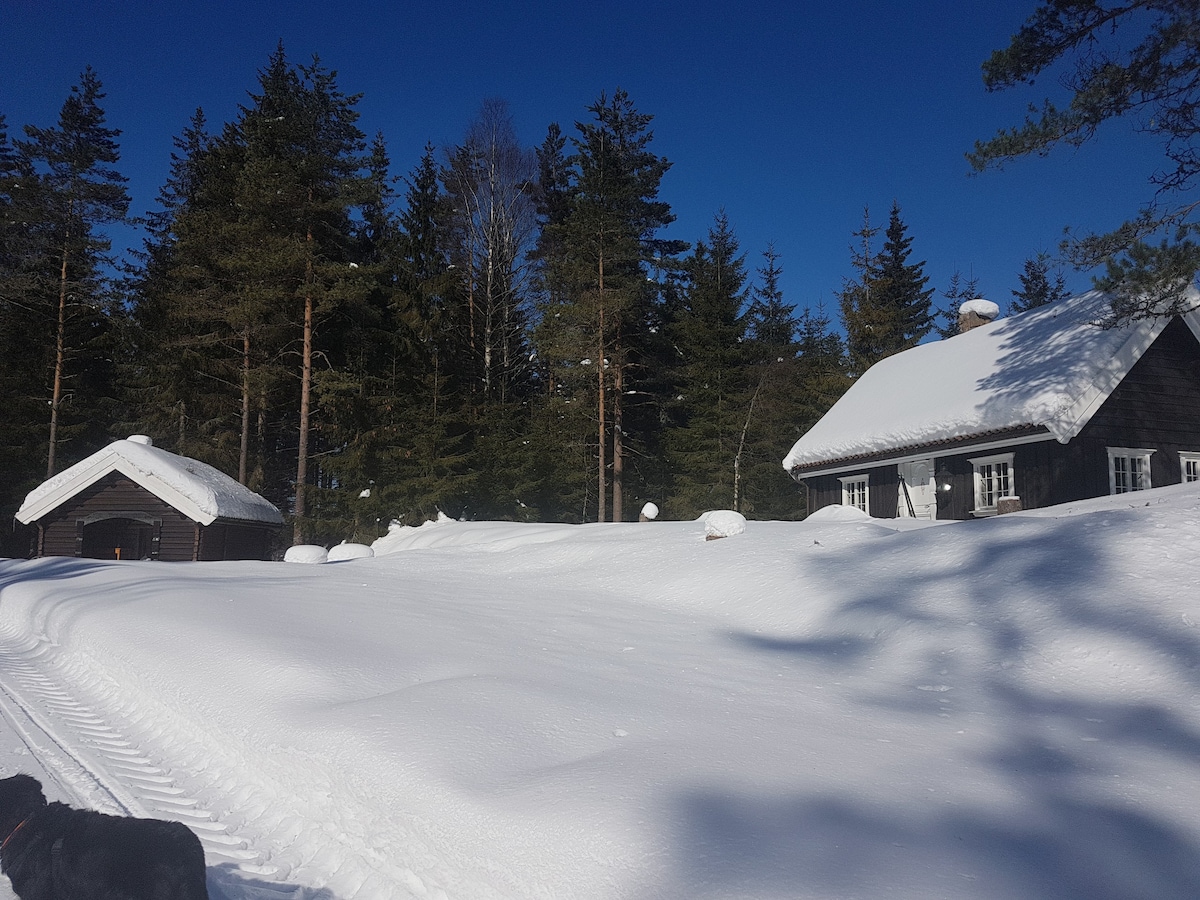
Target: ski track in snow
98, 765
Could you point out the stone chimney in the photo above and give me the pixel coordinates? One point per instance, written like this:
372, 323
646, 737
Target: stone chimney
976, 312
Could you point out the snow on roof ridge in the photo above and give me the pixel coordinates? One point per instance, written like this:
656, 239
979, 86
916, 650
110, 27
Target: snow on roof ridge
199, 490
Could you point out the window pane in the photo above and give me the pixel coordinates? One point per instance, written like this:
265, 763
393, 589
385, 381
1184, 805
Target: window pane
1121, 474
854, 493
993, 481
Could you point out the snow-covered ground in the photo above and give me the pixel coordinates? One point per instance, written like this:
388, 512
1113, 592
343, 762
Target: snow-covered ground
841, 708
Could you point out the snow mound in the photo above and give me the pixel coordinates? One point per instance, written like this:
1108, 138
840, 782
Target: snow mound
306, 553
346, 550
838, 513
721, 523
650, 511
447, 533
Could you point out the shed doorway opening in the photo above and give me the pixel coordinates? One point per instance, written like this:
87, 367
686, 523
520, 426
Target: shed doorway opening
119, 537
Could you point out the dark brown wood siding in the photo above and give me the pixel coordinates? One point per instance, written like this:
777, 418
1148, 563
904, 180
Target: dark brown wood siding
236, 540
883, 482
112, 495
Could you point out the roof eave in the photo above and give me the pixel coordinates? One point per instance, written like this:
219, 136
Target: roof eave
1025, 434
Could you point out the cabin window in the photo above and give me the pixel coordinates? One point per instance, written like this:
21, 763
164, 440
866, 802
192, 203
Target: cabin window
1128, 470
1189, 467
855, 492
993, 480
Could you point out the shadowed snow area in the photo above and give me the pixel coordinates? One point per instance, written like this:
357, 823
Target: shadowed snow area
840, 708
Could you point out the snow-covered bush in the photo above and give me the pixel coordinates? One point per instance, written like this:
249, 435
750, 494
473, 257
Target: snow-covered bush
306, 553
346, 550
720, 523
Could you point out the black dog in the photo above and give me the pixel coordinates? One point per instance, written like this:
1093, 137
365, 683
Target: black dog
53, 852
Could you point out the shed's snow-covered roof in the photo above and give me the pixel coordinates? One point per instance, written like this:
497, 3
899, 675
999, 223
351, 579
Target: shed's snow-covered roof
1049, 368
196, 489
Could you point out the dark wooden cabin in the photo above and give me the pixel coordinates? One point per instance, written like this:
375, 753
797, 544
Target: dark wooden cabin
132, 500
1030, 411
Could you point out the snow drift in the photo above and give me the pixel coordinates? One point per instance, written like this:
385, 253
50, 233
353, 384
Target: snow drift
992, 709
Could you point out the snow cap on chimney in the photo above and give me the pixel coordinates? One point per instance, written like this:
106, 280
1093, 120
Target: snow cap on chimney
976, 312
141, 439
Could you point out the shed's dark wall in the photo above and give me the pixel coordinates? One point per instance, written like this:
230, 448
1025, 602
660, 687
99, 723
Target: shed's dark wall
114, 493
1155, 407
180, 538
233, 540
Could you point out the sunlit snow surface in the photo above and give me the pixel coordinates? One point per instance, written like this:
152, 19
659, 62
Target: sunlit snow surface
843, 708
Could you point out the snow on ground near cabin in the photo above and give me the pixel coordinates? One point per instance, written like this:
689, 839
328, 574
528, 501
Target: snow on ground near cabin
842, 708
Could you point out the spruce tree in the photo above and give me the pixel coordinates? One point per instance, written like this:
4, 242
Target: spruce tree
902, 285
71, 190
711, 365
798, 372
304, 179
771, 322
958, 292
871, 327
174, 367
1037, 286
22, 426
887, 308
601, 299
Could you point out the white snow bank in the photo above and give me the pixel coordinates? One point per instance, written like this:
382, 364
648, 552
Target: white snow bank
346, 550
837, 513
988, 709
447, 532
719, 523
306, 553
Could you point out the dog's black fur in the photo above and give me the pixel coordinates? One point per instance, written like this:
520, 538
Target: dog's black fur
54, 852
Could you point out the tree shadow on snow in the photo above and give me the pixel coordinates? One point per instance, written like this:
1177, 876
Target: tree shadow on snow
844, 846
15, 571
227, 882
1066, 767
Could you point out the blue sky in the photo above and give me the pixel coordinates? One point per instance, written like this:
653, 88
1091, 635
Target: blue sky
792, 116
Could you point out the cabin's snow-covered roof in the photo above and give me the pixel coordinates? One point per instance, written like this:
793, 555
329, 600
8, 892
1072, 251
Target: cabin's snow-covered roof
196, 489
1049, 368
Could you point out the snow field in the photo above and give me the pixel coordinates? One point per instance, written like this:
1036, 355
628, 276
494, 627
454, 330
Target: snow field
838, 708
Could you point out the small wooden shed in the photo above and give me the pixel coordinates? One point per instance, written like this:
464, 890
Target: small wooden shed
133, 500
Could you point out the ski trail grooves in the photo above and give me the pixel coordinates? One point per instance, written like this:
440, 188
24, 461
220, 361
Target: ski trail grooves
98, 765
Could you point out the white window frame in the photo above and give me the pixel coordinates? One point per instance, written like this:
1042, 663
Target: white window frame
852, 495
1128, 469
1189, 467
989, 486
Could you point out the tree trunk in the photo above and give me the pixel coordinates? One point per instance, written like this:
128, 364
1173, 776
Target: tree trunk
737, 459
244, 450
305, 396
60, 356
601, 487
618, 457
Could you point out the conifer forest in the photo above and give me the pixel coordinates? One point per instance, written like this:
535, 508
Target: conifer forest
492, 331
